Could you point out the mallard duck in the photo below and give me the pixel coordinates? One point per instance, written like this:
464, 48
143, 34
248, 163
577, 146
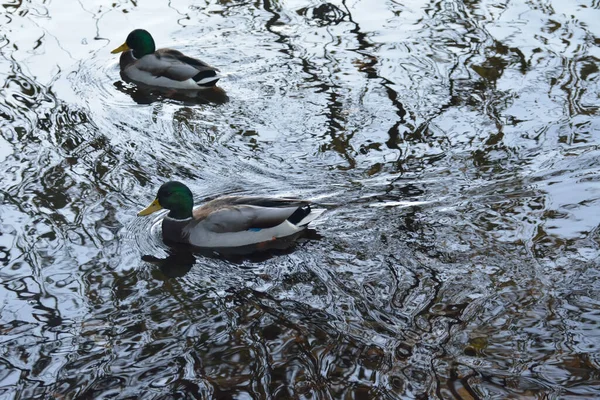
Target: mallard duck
169, 68
231, 221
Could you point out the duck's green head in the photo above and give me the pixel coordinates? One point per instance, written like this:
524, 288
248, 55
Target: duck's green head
140, 41
175, 197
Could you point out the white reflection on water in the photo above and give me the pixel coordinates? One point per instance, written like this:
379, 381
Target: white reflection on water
453, 143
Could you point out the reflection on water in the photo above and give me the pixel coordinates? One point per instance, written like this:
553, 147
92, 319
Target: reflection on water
180, 259
456, 142
143, 94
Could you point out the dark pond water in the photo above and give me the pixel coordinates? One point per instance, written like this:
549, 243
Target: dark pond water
455, 144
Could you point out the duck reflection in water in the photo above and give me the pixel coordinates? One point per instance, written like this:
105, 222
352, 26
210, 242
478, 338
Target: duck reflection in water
181, 258
144, 94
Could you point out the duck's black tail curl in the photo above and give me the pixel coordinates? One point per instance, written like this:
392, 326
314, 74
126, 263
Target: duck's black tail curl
299, 214
203, 78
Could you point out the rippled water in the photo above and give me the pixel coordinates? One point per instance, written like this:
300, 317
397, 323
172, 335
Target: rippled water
455, 144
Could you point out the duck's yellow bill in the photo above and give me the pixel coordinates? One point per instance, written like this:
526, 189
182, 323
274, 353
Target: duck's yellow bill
121, 48
153, 207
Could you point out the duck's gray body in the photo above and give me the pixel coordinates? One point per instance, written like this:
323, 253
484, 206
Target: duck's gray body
236, 221
170, 69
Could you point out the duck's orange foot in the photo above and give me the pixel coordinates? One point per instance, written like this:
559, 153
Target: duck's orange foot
264, 244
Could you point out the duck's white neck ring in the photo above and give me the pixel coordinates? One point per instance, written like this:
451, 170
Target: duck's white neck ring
178, 220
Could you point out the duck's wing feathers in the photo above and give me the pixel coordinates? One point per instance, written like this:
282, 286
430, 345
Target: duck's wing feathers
179, 56
235, 214
173, 64
259, 201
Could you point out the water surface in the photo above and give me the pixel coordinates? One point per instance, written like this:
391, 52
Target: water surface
455, 144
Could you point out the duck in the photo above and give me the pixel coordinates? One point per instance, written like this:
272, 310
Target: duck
229, 221
166, 68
